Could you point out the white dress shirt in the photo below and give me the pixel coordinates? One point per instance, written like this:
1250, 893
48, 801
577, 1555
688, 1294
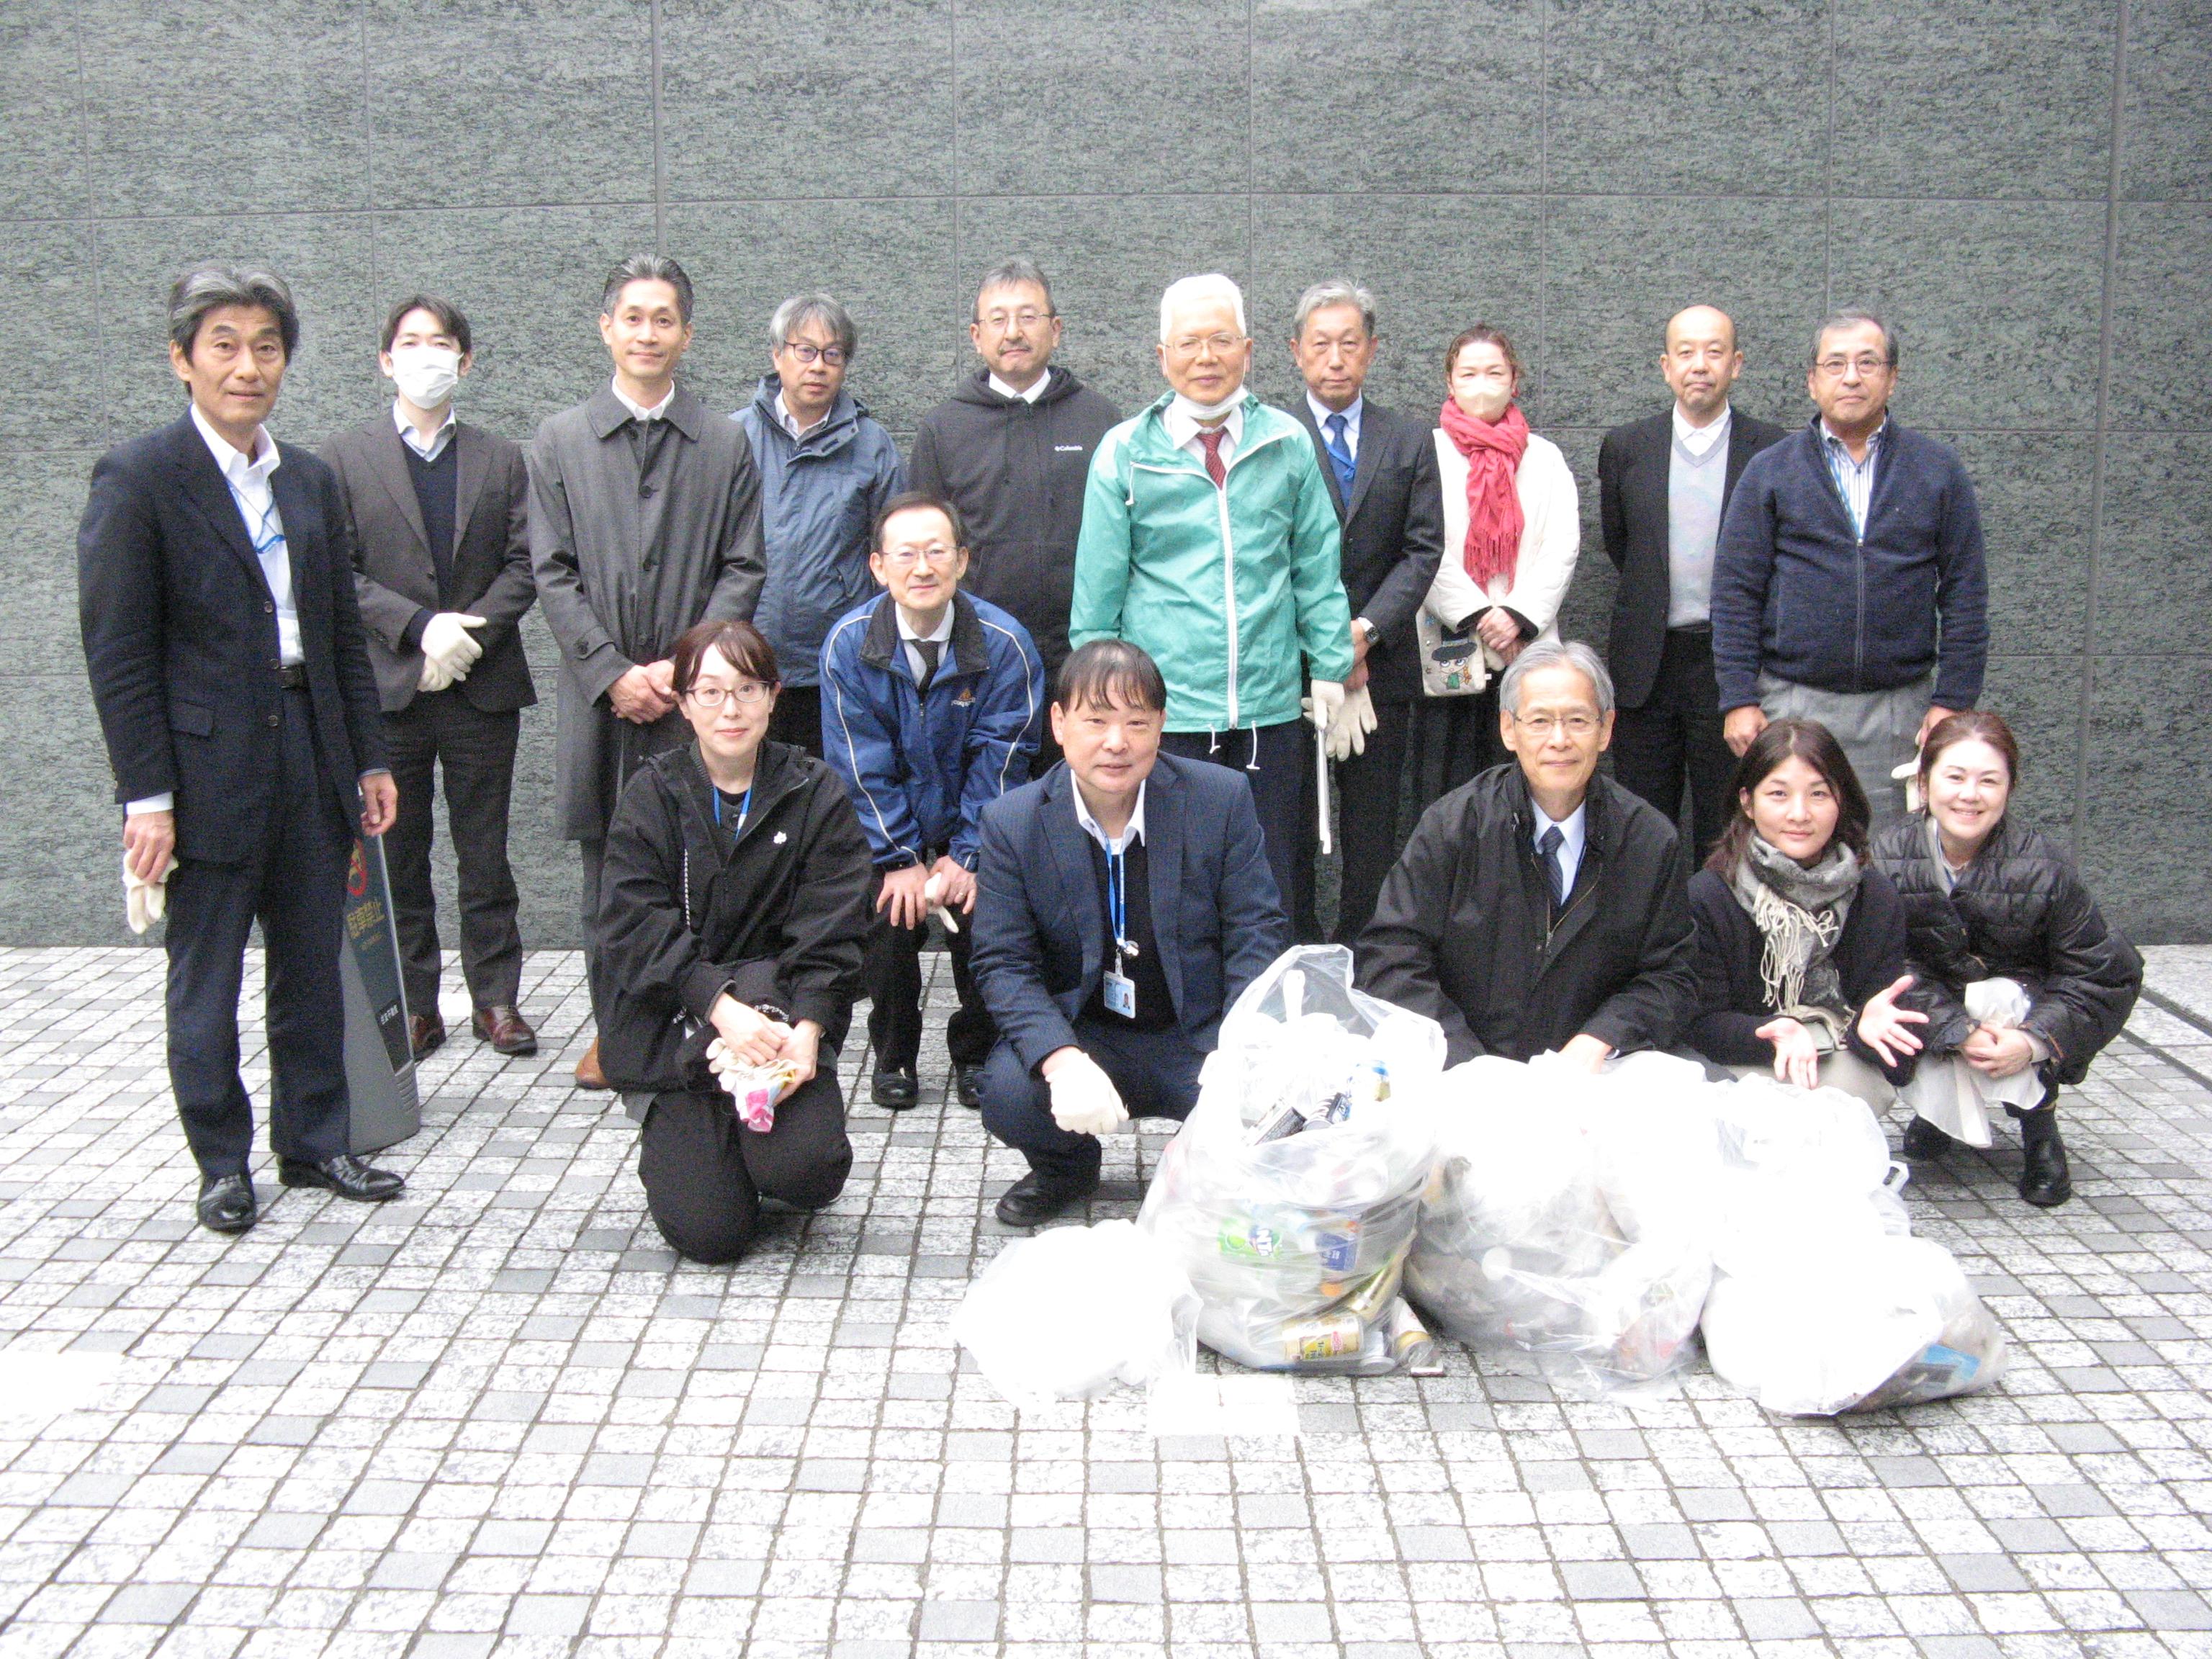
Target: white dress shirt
639, 410
942, 633
1135, 832
1323, 415
1183, 429
1035, 390
439, 440
1854, 479
265, 526
1699, 438
1572, 828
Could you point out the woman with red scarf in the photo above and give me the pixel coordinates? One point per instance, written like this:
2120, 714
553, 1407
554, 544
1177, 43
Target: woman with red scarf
1512, 530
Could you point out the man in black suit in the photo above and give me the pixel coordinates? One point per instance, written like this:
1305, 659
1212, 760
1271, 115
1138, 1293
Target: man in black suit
440, 534
234, 693
1664, 483
1122, 902
1381, 473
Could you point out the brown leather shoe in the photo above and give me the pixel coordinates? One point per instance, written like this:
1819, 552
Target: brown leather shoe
502, 1025
425, 1032
588, 1074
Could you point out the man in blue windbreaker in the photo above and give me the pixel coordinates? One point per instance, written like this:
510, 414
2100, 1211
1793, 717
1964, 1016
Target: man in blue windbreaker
932, 705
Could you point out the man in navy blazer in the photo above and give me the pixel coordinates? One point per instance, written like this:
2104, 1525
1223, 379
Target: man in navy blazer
216, 596
1124, 900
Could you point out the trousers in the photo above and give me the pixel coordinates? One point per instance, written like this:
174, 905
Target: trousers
1676, 734
1156, 1074
1274, 760
705, 1173
892, 972
1875, 728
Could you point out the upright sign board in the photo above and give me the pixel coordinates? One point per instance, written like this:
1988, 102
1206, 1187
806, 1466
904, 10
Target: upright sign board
380, 1060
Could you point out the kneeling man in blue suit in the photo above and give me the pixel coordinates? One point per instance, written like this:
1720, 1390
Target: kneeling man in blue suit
1123, 901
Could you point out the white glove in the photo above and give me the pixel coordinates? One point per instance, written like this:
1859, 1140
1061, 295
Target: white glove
932, 895
447, 642
1085, 1101
143, 900
1347, 732
1324, 698
433, 677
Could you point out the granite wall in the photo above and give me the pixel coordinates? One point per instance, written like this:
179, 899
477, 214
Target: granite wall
2025, 185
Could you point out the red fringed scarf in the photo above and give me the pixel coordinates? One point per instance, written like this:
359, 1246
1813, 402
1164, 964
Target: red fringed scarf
1493, 450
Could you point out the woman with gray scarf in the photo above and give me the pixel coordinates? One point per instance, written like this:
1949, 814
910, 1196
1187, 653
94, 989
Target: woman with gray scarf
1800, 943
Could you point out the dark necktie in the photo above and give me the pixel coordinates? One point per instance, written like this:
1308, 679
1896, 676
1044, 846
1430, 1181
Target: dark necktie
929, 649
1339, 456
1211, 437
1547, 848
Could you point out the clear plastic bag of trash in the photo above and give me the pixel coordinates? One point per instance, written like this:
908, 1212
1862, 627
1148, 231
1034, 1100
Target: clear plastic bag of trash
1800, 1164
1885, 1320
1289, 1195
1570, 1216
1074, 1312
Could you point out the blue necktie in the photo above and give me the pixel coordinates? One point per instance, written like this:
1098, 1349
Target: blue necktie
1340, 455
1547, 848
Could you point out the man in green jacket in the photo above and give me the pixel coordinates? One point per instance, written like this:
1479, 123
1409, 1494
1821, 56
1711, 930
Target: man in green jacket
1209, 540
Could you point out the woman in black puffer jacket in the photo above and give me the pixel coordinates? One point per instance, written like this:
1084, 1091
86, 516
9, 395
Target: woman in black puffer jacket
2022, 981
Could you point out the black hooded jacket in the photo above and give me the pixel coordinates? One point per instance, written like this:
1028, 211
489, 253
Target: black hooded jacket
1015, 471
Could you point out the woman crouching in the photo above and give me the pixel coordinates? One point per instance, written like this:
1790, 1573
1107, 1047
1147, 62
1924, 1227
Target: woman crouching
733, 907
2023, 981
1801, 947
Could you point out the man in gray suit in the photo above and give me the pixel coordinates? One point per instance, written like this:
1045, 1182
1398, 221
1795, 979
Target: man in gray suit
439, 513
644, 519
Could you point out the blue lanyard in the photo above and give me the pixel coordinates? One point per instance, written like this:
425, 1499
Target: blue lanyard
745, 810
1117, 908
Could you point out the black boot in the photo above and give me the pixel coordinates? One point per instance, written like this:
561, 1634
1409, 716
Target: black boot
2044, 1181
1922, 1140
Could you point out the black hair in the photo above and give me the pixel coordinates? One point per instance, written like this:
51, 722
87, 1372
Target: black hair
209, 288
1110, 672
448, 315
914, 501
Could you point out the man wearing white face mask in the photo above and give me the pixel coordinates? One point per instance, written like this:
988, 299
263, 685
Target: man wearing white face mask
440, 548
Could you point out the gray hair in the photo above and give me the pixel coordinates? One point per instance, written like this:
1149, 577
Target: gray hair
209, 288
1557, 654
1186, 290
1321, 295
801, 309
1012, 273
648, 268
1853, 317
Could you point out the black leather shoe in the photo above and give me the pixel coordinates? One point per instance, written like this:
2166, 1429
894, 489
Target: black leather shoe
226, 1204
425, 1032
2045, 1181
967, 1083
1033, 1200
1922, 1140
502, 1025
894, 1090
344, 1175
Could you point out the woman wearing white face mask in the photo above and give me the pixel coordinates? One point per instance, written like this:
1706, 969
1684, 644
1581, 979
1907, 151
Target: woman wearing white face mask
2022, 980
1512, 531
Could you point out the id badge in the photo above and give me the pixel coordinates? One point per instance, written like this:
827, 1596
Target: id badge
1120, 994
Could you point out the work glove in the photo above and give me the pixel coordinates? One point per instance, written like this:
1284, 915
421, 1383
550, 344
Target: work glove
1085, 1101
145, 902
447, 642
1347, 732
932, 895
434, 678
1323, 699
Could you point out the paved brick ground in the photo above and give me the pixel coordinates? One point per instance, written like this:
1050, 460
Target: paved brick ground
499, 1418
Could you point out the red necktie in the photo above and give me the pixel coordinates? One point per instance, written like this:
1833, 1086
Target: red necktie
1211, 437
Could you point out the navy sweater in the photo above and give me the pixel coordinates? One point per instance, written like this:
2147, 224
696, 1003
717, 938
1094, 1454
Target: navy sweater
1798, 595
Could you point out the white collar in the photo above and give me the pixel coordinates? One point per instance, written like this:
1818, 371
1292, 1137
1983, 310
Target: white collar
1035, 391
791, 421
1135, 832
943, 630
639, 410
1184, 426
406, 429
1699, 440
1571, 830
1352, 412
236, 466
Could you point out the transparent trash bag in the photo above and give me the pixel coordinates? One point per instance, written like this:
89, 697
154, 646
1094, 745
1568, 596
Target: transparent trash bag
1074, 1312
1884, 1320
1799, 1165
1289, 1195
1570, 1216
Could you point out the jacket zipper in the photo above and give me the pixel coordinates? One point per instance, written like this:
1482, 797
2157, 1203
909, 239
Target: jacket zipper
1229, 591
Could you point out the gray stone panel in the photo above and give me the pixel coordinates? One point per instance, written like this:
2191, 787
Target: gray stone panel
889, 263
50, 335
202, 106
39, 515
1974, 98
1435, 263
1973, 288
2040, 698
1115, 97
1420, 95
812, 98
1587, 612
2166, 139
2154, 577
1682, 97
1108, 258
61, 838
530, 280
1618, 267
2149, 774
41, 111
2161, 299
2033, 491
332, 381
476, 101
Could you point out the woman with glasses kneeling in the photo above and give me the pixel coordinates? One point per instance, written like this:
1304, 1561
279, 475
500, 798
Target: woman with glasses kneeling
1799, 946
733, 907
2023, 981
